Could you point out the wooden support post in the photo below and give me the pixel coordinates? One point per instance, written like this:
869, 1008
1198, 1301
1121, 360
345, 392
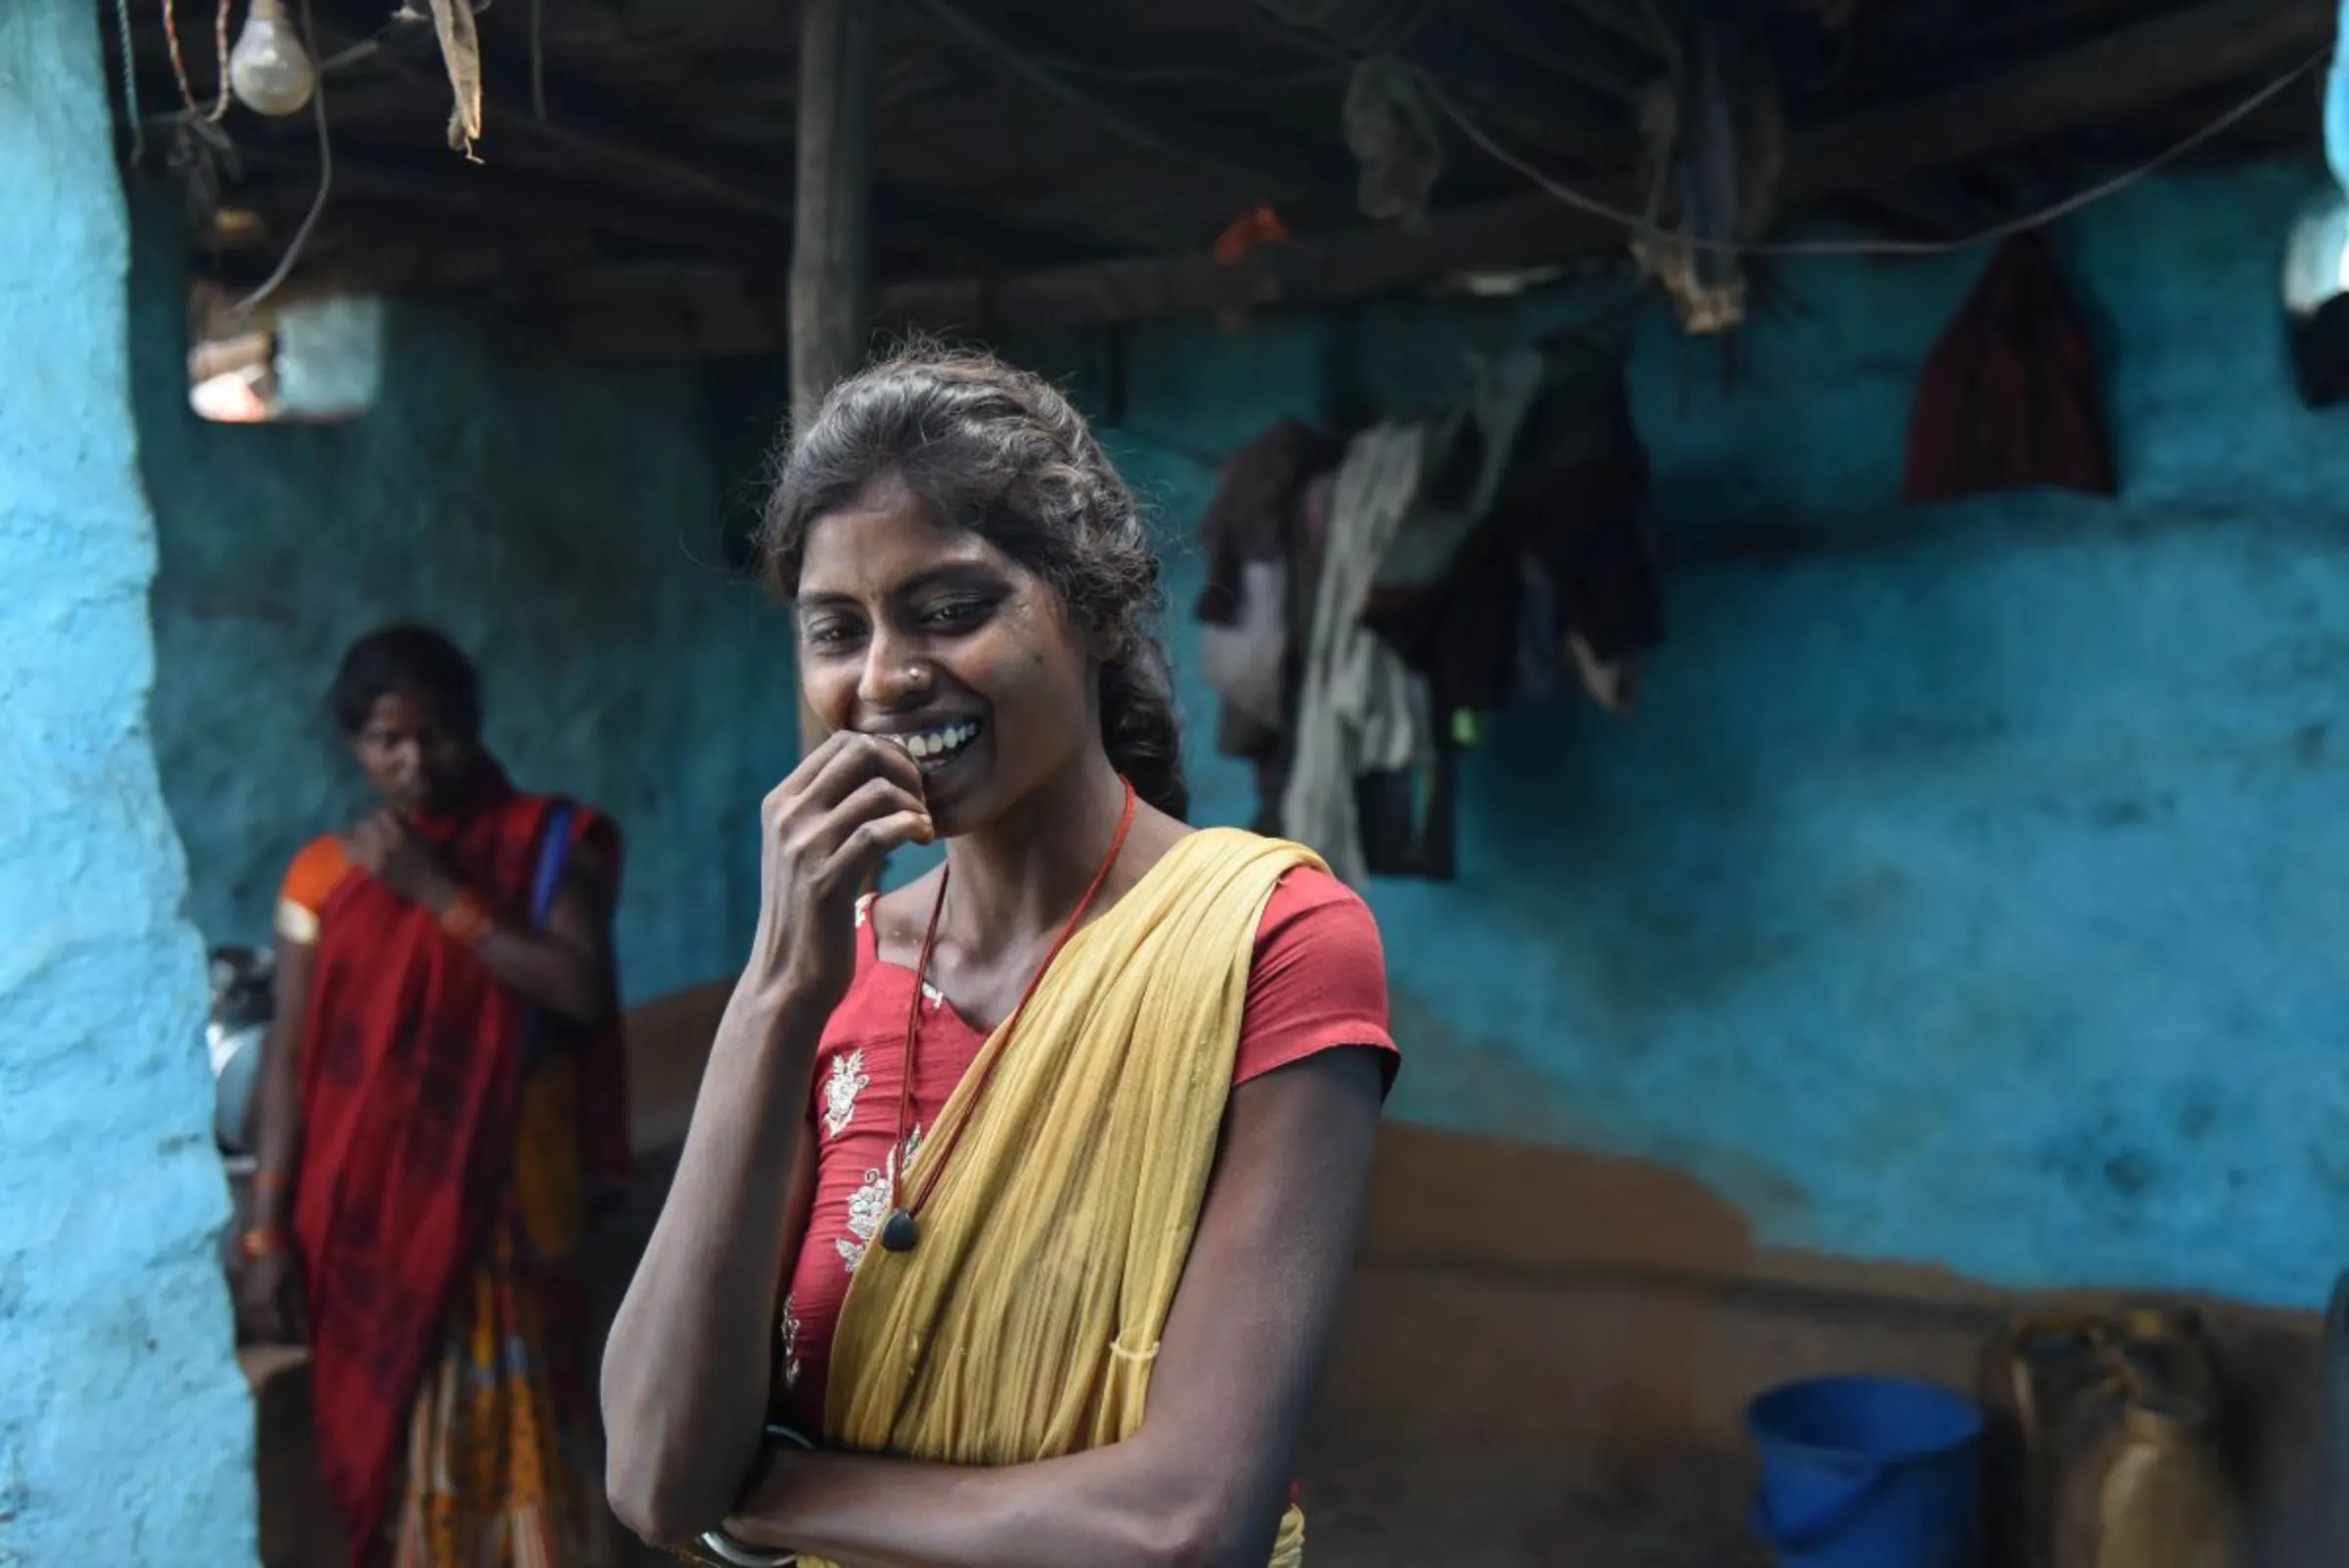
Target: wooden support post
831, 301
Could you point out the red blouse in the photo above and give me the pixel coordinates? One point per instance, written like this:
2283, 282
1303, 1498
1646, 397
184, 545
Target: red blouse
1318, 981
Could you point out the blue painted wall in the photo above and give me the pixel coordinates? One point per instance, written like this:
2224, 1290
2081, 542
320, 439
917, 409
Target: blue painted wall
125, 1429
559, 519
1961, 895
1970, 888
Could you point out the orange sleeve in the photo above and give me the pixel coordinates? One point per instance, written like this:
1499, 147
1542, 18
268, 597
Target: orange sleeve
309, 882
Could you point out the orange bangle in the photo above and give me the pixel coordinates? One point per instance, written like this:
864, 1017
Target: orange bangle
261, 1243
467, 920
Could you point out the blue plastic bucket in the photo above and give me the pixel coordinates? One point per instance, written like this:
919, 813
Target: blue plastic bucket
1868, 1472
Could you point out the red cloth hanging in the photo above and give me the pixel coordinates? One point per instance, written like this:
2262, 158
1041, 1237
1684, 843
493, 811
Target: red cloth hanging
2007, 400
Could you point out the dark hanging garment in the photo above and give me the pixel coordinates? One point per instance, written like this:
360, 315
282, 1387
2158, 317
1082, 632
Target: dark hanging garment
1248, 518
2009, 400
2320, 346
1568, 514
1257, 582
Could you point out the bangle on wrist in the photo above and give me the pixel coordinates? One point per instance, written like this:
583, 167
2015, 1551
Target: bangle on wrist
726, 1549
467, 919
262, 1241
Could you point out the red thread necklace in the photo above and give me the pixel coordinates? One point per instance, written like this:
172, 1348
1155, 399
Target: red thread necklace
904, 1229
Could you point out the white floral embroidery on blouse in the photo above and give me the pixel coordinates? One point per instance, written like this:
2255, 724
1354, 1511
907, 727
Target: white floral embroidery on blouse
789, 1333
847, 1080
868, 1205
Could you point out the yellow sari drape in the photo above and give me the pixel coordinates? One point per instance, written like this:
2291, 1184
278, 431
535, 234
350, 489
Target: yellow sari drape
1026, 1324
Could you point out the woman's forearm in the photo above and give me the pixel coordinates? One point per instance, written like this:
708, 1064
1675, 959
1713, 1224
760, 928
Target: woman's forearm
1203, 1482
1120, 1504
686, 1371
277, 1143
542, 968
277, 1136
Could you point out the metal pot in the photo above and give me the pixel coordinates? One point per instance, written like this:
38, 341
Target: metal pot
237, 1037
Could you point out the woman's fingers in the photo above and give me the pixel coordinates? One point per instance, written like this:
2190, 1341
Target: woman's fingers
804, 773
848, 760
870, 842
877, 799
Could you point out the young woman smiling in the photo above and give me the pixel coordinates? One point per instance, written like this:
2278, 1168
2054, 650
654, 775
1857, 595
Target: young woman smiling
1018, 1203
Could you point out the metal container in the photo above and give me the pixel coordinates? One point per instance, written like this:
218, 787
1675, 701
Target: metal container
237, 1037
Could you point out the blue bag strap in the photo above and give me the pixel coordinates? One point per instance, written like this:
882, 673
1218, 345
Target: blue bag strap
554, 858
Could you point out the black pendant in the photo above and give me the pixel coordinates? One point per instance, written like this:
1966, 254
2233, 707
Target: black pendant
901, 1232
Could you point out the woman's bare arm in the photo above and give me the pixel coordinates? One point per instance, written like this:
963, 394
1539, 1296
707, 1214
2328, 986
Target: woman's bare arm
268, 1300
1205, 1481
567, 968
277, 1140
687, 1368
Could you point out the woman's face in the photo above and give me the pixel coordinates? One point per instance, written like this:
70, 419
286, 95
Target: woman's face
920, 631
415, 759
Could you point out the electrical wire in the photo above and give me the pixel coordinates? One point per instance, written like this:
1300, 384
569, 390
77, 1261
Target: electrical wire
130, 83
221, 55
1642, 228
179, 62
1021, 64
326, 184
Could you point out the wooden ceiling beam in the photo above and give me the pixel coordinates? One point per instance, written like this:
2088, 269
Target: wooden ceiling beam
2122, 73
1353, 265
1538, 109
1568, 47
1629, 22
583, 129
441, 187
1261, 165
2126, 71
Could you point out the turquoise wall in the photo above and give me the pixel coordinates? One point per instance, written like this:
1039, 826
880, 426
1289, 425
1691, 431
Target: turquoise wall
1968, 889
560, 520
1958, 896
125, 1429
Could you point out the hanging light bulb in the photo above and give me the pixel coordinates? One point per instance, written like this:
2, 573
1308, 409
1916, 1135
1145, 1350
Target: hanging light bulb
269, 69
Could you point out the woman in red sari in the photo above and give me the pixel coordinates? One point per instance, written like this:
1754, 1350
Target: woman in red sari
441, 1110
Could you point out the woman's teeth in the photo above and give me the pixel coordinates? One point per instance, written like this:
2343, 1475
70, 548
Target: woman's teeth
936, 745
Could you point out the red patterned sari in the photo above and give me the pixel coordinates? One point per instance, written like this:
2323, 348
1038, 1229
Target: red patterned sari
453, 1139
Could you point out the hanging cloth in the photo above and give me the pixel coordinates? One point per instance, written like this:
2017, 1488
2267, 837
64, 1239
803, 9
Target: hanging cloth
2007, 400
1027, 1323
1360, 710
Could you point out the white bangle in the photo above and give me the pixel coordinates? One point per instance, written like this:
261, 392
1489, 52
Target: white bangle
727, 1550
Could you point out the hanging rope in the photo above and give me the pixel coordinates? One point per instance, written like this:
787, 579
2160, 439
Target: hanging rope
179, 62
131, 84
